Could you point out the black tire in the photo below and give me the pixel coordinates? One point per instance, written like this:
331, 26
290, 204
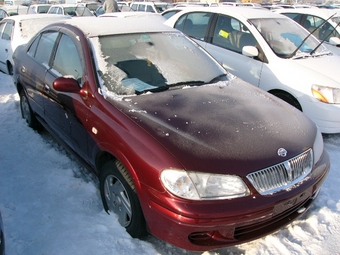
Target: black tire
27, 113
288, 99
119, 196
10, 69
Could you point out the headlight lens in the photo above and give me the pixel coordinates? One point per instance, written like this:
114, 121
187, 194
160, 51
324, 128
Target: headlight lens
326, 94
203, 186
318, 146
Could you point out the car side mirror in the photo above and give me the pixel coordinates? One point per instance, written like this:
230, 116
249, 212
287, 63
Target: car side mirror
250, 51
66, 84
334, 41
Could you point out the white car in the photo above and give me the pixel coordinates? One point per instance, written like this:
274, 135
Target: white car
156, 7
267, 50
313, 18
38, 8
17, 30
73, 10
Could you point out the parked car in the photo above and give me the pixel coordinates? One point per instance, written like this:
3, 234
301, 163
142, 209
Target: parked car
156, 7
169, 132
268, 50
171, 11
15, 9
92, 6
17, 30
2, 237
73, 10
38, 8
313, 20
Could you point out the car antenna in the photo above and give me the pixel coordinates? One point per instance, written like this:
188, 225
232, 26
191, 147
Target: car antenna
324, 39
310, 33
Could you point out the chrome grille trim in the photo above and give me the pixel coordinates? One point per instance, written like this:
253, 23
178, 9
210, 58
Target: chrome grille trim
283, 175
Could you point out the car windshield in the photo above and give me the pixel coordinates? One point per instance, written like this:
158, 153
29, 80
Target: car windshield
285, 37
136, 63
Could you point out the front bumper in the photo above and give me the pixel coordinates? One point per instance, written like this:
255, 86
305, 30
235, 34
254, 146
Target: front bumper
201, 226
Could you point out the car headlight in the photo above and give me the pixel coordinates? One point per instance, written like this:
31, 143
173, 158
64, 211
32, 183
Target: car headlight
203, 186
318, 146
326, 94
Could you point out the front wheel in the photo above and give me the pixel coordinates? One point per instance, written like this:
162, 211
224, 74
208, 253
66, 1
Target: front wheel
119, 196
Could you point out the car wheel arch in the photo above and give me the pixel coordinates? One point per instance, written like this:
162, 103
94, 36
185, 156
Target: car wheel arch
103, 157
287, 97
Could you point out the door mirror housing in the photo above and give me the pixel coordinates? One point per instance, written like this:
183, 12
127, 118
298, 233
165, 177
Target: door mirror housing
66, 84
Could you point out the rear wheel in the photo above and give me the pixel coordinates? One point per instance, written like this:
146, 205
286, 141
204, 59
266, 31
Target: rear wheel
119, 196
27, 113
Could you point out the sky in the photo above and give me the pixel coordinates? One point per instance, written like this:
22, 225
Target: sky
51, 205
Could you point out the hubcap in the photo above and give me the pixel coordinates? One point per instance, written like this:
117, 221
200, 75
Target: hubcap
118, 200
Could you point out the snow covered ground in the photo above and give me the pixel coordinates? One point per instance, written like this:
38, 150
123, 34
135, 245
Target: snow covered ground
51, 206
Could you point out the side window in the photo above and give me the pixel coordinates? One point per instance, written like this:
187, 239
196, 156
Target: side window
45, 47
7, 32
149, 9
231, 34
2, 27
194, 24
32, 49
141, 8
67, 60
134, 7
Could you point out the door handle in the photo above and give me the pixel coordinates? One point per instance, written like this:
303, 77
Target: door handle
23, 69
47, 88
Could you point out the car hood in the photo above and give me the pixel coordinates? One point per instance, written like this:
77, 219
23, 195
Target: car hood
325, 68
226, 127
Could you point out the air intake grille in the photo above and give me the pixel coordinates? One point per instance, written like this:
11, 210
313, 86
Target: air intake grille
283, 175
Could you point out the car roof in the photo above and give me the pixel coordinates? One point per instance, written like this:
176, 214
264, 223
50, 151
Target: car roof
323, 13
18, 18
93, 26
245, 13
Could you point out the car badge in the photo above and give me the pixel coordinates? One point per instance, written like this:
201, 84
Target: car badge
282, 152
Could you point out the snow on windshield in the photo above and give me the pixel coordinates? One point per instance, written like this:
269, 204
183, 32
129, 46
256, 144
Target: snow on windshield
137, 63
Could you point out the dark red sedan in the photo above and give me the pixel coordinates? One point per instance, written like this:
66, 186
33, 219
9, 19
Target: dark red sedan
182, 149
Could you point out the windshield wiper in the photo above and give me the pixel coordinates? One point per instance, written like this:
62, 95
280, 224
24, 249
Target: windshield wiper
313, 51
218, 78
186, 83
304, 40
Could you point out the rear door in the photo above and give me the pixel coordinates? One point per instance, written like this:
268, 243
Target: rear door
6, 32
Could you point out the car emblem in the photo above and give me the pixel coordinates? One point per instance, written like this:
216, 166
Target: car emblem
282, 152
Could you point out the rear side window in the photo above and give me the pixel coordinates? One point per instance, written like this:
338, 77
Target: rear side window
7, 32
194, 24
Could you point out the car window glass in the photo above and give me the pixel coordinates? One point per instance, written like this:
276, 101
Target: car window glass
324, 32
195, 24
231, 34
141, 7
33, 47
6, 34
45, 47
143, 62
149, 9
2, 26
67, 61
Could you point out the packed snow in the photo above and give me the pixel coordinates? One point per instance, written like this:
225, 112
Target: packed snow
51, 205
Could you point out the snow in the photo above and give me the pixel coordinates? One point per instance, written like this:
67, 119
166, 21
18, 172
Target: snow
51, 205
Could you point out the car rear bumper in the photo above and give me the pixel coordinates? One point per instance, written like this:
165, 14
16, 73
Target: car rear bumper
205, 233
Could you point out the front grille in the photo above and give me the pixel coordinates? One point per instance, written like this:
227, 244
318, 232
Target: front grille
283, 175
